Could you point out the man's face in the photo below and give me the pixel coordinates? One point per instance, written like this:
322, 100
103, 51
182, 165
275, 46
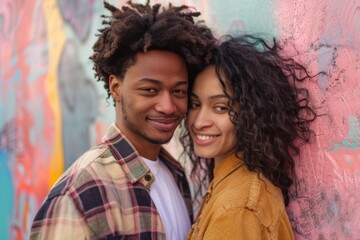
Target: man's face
152, 97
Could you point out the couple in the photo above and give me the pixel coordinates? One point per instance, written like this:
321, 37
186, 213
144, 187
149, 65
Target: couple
243, 113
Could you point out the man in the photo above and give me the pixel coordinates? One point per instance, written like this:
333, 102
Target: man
129, 187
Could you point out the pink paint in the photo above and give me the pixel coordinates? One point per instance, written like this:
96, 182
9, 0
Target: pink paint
326, 36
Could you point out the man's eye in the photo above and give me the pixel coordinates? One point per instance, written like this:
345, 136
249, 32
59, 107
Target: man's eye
148, 90
180, 93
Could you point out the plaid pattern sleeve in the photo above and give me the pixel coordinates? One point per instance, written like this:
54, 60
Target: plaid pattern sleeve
104, 195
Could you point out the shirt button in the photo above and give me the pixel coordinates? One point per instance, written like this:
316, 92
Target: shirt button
147, 177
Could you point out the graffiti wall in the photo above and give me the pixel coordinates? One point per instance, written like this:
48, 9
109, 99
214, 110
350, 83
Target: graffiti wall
52, 109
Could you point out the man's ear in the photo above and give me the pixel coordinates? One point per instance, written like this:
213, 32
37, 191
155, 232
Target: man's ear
115, 87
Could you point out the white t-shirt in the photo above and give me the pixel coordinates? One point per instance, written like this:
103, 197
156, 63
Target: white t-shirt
169, 202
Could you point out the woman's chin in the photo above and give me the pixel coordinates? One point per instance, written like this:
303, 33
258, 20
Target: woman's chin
203, 154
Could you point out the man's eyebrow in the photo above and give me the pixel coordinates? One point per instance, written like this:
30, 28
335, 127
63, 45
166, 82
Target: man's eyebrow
149, 80
157, 82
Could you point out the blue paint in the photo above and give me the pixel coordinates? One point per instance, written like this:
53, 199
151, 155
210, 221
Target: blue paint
334, 208
7, 194
2, 114
348, 159
2, 23
37, 59
326, 57
32, 136
8, 104
13, 61
36, 74
327, 52
16, 77
347, 228
7, 100
36, 107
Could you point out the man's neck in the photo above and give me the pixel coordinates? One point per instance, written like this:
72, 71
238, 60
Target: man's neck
150, 152
145, 148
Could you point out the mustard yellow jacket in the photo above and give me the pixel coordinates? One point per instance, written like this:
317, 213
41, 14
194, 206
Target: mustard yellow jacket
239, 206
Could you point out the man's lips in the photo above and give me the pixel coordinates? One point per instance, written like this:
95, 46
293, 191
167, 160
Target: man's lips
164, 123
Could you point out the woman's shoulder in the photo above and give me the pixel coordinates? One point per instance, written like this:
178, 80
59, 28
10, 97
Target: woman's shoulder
233, 191
254, 192
266, 201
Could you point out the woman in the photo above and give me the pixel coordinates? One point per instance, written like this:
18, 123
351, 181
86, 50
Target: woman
247, 117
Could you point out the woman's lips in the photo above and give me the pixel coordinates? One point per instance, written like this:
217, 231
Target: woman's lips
204, 139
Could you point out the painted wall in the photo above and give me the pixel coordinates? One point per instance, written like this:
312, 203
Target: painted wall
52, 109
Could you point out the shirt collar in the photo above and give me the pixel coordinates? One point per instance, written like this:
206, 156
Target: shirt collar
129, 159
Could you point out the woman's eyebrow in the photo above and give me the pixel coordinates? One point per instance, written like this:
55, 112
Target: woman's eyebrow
218, 96
211, 97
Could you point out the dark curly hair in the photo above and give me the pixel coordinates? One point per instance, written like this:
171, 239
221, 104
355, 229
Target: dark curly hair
139, 28
274, 113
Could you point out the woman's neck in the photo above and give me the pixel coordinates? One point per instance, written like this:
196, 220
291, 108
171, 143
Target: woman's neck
218, 159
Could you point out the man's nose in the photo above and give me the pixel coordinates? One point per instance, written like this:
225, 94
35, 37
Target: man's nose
166, 104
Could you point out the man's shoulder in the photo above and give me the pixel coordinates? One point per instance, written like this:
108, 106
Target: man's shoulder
94, 166
92, 189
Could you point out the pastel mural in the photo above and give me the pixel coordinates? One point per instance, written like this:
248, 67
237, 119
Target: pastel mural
52, 109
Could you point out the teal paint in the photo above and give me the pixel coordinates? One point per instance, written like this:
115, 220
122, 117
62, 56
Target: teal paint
7, 195
354, 132
252, 16
352, 141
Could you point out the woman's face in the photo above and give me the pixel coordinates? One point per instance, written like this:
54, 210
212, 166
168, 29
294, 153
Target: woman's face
208, 119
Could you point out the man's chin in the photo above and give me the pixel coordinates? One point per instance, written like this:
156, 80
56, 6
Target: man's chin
159, 140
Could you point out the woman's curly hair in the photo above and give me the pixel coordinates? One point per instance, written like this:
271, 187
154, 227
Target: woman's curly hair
139, 28
270, 111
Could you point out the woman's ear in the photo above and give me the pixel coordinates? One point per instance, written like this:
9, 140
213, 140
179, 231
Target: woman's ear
115, 87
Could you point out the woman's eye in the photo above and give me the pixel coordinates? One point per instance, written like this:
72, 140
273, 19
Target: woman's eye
221, 108
193, 105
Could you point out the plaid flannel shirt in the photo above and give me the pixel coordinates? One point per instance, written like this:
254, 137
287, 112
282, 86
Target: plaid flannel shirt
105, 195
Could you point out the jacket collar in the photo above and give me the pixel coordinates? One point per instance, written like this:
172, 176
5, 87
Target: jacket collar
225, 167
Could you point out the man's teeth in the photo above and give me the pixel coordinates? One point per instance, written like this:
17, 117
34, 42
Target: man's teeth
204, 137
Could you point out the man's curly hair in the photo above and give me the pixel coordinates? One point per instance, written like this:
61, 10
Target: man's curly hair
139, 28
271, 113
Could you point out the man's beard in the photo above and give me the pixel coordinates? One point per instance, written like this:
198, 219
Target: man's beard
135, 129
